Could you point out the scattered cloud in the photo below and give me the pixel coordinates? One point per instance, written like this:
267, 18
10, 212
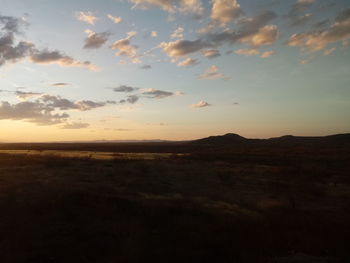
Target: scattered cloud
329, 51
201, 104
211, 53
126, 49
74, 125
172, 6
26, 95
153, 34
265, 36
267, 54
56, 57
146, 67
296, 15
225, 11
36, 112
59, 84
178, 33
124, 88
95, 40
254, 31
130, 99
13, 51
87, 17
45, 109
247, 51
181, 48
318, 40
188, 62
213, 73
115, 19
157, 94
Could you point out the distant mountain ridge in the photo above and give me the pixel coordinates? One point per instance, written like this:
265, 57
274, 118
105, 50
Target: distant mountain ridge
235, 139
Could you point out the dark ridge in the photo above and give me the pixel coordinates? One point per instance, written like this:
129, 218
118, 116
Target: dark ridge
232, 139
228, 138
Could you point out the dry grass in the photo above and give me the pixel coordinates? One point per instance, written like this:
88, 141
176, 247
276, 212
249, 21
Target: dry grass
185, 209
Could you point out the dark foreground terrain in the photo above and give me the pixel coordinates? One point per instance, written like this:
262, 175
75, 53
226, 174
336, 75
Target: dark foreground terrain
285, 201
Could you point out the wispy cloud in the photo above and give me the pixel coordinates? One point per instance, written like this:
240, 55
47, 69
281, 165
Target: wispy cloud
225, 11
186, 6
115, 19
146, 67
125, 48
178, 33
95, 40
56, 57
87, 17
74, 125
247, 51
211, 53
201, 104
124, 88
213, 73
318, 40
188, 62
59, 84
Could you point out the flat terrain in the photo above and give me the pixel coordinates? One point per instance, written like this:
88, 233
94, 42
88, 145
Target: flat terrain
212, 204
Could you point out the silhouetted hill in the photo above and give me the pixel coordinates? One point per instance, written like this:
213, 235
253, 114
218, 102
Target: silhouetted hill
229, 138
232, 139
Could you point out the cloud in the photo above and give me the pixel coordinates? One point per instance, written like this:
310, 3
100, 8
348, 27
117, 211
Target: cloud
178, 33
211, 53
301, 20
65, 104
296, 14
247, 51
74, 125
153, 34
320, 39
251, 30
181, 48
95, 40
36, 112
225, 11
126, 49
9, 50
248, 28
13, 51
124, 88
265, 36
157, 94
56, 57
45, 109
171, 6
87, 17
130, 99
329, 51
188, 62
201, 104
267, 54
11, 24
213, 73
26, 95
115, 19
146, 67
59, 84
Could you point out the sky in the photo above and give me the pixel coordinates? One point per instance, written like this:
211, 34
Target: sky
75, 70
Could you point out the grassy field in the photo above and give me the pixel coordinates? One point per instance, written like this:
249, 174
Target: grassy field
242, 205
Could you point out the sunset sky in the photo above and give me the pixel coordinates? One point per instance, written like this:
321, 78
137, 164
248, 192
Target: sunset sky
173, 69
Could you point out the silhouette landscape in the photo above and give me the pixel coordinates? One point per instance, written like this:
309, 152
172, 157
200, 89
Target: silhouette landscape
221, 198
199, 131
